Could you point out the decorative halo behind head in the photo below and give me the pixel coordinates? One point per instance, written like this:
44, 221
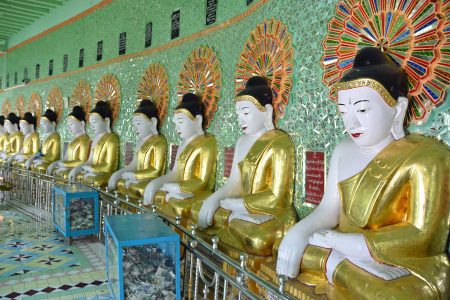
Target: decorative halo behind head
372, 68
78, 113
35, 106
256, 91
29, 118
55, 101
82, 97
191, 106
108, 90
201, 75
102, 108
268, 53
6, 107
414, 34
154, 85
20, 105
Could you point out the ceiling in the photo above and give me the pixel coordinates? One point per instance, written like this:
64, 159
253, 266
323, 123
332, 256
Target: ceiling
16, 15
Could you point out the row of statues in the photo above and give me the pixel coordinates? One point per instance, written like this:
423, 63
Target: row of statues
379, 232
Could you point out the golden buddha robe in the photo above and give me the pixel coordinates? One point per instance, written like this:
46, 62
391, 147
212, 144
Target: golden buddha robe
77, 154
267, 176
151, 162
105, 160
196, 174
4, 142
400, 203
30, 147
51, 148
15, 142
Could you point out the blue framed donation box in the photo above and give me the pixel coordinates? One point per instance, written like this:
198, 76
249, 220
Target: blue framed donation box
142, 257
75, 210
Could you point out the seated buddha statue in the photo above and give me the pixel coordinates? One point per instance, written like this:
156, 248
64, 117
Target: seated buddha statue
15, 137
254, 208
3, 135
149, 161
104, 155
382, 225
30, 141
51, 145
78, 149
193, 175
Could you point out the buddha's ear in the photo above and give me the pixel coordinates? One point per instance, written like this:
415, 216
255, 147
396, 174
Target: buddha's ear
108, 122
268, 122
154, 125
397, 129
83, 126
199, 124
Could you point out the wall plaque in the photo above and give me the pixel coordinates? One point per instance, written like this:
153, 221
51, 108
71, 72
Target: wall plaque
314, 176
148, 34
38, 70
15, 78
129, 151
99, 50
81, 58
122, 43
50, 67
211, 11
173, 155
7, 80
249, 2
25, 74
228, 161
175, 24
65, 62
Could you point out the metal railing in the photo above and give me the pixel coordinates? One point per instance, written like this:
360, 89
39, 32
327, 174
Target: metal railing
203, 274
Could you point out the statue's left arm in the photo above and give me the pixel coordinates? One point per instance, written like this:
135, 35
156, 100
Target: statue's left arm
110, 163
53, 151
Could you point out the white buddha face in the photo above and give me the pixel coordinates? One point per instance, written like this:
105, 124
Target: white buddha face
184, 126
25, 127
142, 125
46, 125
367, 118
98, 124
76, 127
251, 119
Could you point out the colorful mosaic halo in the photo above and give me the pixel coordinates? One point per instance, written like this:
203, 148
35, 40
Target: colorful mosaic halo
415, 34
19, 108
35, 106
268, 53
154, 85
81, 95
108, 90
202, 76
6, 107
55, 101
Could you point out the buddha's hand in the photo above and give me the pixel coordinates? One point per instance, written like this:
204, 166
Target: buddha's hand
252, 218
129, 176
112, 182
290, 253
236, 205
60, 164
74, 172
206, 214
150, 192
381, 270
350, 244
28, 164
88, 169
20, 158
172, 188
51, 167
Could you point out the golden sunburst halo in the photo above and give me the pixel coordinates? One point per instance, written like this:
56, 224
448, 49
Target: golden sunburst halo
154, 85
108, 90
268, 53
6, 107
19, 108
82, 96
202, 76
35, 106
55, 101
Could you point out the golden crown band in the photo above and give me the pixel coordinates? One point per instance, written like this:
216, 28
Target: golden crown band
373, 84
252, 100
186, 112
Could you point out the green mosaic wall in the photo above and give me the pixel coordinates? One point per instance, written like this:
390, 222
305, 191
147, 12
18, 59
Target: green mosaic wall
310, 117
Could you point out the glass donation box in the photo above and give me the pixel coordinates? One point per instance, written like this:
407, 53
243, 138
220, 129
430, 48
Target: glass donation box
142, 257
75, 210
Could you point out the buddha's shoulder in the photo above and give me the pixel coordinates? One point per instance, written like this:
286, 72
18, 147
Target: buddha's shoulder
206, 138
425, 148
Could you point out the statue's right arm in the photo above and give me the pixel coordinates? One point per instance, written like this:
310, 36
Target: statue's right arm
325, 216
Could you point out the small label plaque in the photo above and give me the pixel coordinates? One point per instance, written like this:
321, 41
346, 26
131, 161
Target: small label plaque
15, 78
175, 24
99, 50
122, 43
173, 155
50, 67
65, 62
38, 70
129, 151
211, 11
148, 34
81, 58
228, 157
314, 176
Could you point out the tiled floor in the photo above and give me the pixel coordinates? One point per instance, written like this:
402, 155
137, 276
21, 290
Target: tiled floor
35, 263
